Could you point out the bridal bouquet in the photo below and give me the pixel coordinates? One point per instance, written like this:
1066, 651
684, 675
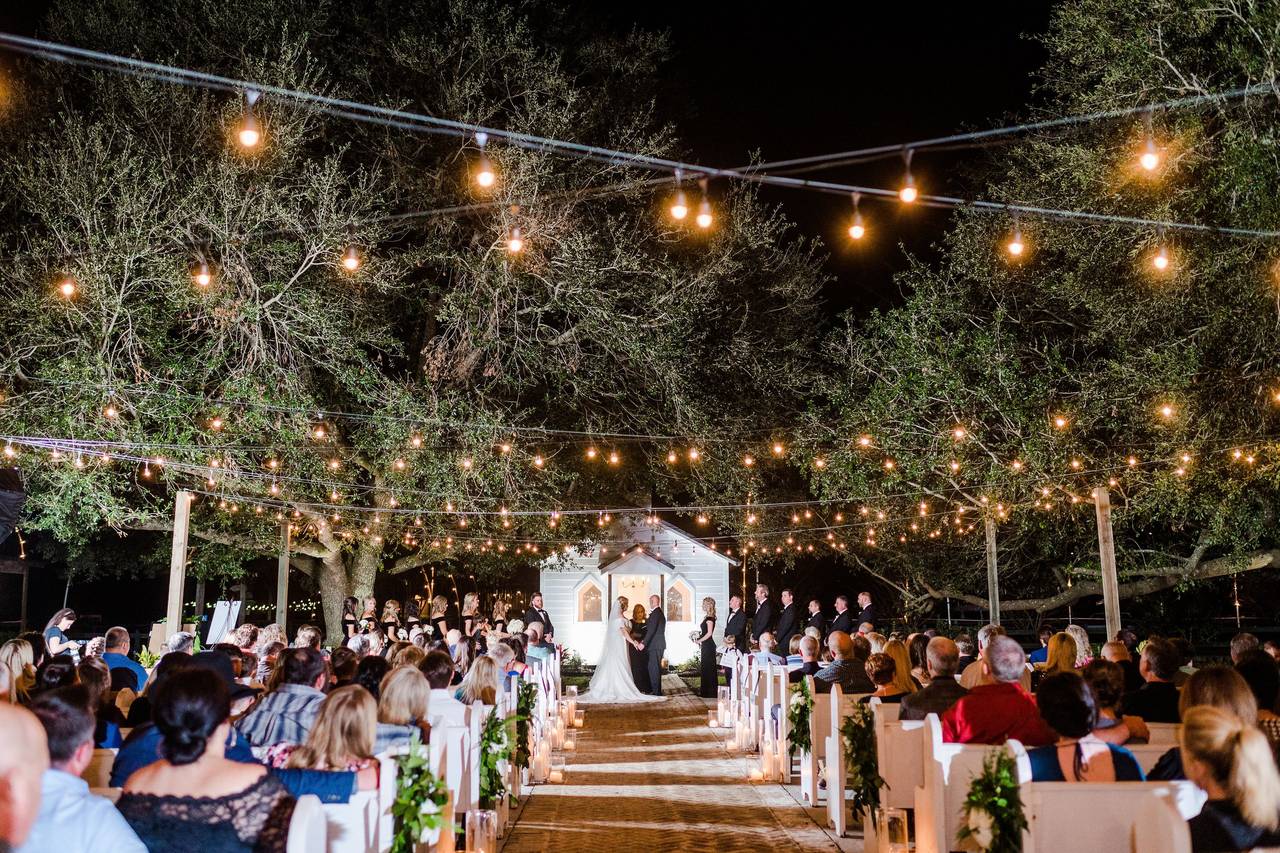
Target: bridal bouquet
695, 635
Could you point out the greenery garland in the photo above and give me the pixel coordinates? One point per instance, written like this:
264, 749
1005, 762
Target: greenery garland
526, 697
495, 746
420, 798
858, 740
799, 711
993, 816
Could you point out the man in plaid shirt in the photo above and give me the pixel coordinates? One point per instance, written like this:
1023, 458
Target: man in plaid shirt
286, 715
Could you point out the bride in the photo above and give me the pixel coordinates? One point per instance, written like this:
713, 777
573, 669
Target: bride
612, 681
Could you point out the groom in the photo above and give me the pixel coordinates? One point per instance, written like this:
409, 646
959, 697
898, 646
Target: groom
654, 643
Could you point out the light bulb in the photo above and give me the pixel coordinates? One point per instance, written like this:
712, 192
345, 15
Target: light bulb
485, 176
704, 218
1150, 157
856, 230
67, 288
515, 242
909, 193
250, 134
1161, 259
202, 275
351, 260
680, 206
1016, 246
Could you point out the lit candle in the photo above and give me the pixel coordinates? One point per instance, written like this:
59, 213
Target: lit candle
712, 719
579, 717
570, 745
756, 775
556, 777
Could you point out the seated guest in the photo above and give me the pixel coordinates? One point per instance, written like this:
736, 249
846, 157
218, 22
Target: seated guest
997, 708
516, 643
794, 660
1231, 761
341, 739
246, 637
903, 682
181, 642
1157, 700
1272, 648
1084, 651
875, 640
766, 655
116, 655
23, 760
847, 667
407, 655
96, 679
967, 653
70, 817
308, 637
195, 793
233, 653
808, 659
1106, 682
17, 661
443, 709
882, 669
1258, 669
1118, 653
974, 674
402, 708
538, 648
268, 657
370, 672
58, 671
1215, 685
1060, 657
504, 658
1241, 643
343, 664
482, 683
286, 714
1186, 655
1041, 655
1066, 706
943, 690
918, 650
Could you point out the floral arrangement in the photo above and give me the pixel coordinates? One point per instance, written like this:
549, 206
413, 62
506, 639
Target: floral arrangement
799, 710
695, 636
420, 798
858, 740
495, 746
147, 658
526, 697
993, 816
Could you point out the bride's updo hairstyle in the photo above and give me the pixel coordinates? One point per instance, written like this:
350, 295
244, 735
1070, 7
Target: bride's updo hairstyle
189, 707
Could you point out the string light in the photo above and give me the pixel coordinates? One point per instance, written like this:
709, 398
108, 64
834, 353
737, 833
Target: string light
857, 230
515, 242
1160, 260
351, 260
201, 275
908, 193
1016, 246
1149, 159
485, 176
704, 218
67, 288
250, 132
679, 204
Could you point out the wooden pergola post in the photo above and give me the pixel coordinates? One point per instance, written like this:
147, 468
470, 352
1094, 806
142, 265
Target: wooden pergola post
282, 576
178, 563
993, 573
1107, 560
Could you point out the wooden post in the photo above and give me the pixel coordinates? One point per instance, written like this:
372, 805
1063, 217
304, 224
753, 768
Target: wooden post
178, 563
1107, 560
993, 573
282, 577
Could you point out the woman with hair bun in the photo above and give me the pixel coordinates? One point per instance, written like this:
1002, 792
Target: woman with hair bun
1231, 761
194, 796
1067, 706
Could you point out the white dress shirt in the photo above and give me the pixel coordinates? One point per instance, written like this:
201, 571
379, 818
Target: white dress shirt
444, 709
71, 818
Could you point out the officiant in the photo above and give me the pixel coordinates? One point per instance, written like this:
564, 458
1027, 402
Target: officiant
639, 660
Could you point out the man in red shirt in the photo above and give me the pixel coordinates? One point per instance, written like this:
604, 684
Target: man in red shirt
993, 713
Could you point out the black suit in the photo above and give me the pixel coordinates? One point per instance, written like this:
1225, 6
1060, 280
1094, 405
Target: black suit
763, 621
532, 615
788, 627
817, 620
736, 627
655, 645
868, 614
843, 622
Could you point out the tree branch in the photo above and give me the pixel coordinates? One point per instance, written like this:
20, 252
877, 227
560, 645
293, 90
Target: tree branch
231, 539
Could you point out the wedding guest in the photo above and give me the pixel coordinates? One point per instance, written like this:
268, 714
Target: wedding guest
1067, 706
816, 619
788, 624
735, 624
71, 818
402, 708
268, 657
793, 653
766, 654
1157, 700
882, 670
1258, 669
1061, 657
342, 737
918, 649
195, 791
343, 664
808, 661
24, 758
902, 680
410, 655
536, 613
439, 615
272, 633
997, 708
350, 618
503, 657
443, 708
943, 690
1118, 653
233, 653
1041, 655
481, 684
1229, 759
964, 643
1216, 685
116, 655
370, 672
470, 613
765, 617
538, 648
18, 662
1240, 643
1186, 665
1272, 648
518, 665
180, 643
58, 671
245, 637
974, 674
848, 665
1084, 650
709, 683
108, 720
55, 637
867, 615
844, 619
308, 637
287, 713
95, 647
876, 640
1106, 682
39, 651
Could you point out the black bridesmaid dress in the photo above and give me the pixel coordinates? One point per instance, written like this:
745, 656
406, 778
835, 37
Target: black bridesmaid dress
639, 660
709, 671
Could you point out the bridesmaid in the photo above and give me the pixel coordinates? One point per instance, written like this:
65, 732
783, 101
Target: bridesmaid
707, 646
439, 620
350, 624
500, 609
391, 619
413, 611
470, 612
369, 617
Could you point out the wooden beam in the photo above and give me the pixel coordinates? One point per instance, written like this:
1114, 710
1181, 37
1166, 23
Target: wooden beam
282, 577
178, 562
993, 572
1107, 560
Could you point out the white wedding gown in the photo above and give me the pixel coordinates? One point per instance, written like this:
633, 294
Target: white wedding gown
612, 681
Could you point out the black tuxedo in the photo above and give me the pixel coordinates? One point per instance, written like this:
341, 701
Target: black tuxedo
655, 645
763, 621
868, 614
736, 627
817, 620
788, 627
532, 615
843, 622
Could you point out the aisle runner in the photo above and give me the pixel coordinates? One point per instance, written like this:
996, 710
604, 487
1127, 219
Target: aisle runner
656, 779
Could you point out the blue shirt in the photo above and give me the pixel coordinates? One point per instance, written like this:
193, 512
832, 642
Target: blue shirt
282, 716
1045, 766
113, 660
71, 818
1040, 655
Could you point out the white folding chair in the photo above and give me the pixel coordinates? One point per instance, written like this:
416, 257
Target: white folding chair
1159, 827
351, 827
307, 826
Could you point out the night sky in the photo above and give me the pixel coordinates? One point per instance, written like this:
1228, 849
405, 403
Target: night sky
789, 80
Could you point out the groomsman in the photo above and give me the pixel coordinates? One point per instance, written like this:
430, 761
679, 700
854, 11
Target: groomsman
788, 622
868, 614
735, 624
844, 619
816, 619
537, 614
765, 617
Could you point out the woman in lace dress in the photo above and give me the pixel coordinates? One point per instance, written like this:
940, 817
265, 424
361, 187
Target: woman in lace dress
194, 797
